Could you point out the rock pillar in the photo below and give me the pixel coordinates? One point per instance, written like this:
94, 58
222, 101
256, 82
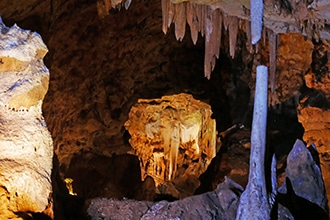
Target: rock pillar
25, 142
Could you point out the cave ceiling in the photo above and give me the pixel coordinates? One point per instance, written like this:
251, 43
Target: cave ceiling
309, 18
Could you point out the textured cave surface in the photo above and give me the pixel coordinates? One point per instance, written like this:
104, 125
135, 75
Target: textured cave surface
174, 138
99, 68
25, 142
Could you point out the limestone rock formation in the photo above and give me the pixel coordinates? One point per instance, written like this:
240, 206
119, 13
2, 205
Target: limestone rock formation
218, 204
209, 16
25, 142
175, 140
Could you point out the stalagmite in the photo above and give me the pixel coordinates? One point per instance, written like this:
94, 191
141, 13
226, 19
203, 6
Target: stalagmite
254, 202
25, 143
257, 10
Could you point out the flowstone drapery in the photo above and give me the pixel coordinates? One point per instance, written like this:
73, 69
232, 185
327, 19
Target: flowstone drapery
175, 140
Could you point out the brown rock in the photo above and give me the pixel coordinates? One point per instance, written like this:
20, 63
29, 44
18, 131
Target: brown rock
175, 140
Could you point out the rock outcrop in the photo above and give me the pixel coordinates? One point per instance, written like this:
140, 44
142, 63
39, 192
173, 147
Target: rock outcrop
303, 192
25, 142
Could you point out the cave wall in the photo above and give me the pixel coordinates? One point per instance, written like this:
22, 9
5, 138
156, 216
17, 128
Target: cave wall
100, 67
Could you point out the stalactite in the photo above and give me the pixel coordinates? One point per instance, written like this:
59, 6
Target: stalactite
165, 4
202, 19
192, 20
104, 6
257, 8
127, 4
264, 38
180, 20
171, 12
233, 29
199, 13
213, 27
248, 36
272, 41
217, 32
226, 20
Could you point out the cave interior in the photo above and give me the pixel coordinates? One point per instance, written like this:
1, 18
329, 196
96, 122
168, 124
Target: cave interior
101, 64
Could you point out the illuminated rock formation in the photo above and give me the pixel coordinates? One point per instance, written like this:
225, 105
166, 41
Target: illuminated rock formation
314, 108
175, 140
25, 142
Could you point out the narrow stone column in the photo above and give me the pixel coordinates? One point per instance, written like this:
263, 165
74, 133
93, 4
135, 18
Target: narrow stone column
254, 202
25, 143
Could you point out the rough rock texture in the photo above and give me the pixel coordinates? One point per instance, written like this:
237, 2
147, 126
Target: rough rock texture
219, 204
302, 196
101, 67
25, 142
208, 18
292, 62
175, 140
304, 182
314, 107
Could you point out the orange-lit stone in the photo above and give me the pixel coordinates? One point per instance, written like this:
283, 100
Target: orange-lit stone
175, 140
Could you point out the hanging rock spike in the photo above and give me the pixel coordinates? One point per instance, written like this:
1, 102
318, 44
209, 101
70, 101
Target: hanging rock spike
233, 29
165, 4
272, 41
180, 20
192, 21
